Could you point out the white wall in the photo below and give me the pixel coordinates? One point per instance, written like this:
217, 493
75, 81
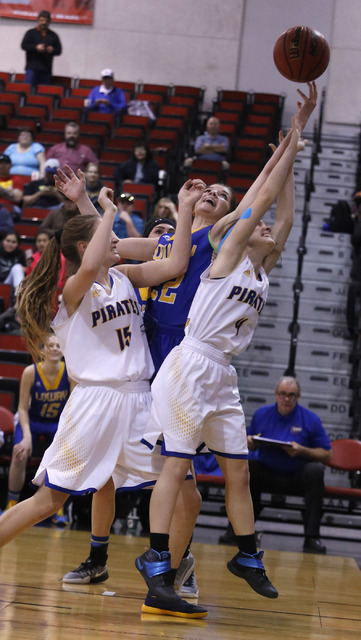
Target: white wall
207, 43
193, 42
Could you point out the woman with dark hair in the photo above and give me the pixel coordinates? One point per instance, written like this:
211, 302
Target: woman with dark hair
12, 260
26, 155
140, 168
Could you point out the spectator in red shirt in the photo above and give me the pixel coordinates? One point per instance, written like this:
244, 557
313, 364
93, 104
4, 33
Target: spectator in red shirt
71, 152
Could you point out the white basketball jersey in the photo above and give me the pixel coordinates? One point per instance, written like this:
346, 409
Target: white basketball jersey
104, 341
224, 311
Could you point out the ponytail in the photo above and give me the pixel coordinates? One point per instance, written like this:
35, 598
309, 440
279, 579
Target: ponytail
36, 291
35, 296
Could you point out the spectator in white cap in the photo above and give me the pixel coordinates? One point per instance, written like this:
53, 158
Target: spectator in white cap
42, 192
107, 98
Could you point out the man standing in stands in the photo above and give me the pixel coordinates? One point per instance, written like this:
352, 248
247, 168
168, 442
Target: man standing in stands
71, 152
41, 45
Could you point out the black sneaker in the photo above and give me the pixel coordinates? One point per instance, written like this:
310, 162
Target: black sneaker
172, 606
87, 572
250, 568
314, 545
155, 568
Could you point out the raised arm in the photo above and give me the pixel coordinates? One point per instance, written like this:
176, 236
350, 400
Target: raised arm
305, 109
157, 271
234, 247
284, 221
73, 186
93, 255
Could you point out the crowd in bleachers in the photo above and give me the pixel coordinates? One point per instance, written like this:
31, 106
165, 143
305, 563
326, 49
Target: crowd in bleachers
140, 150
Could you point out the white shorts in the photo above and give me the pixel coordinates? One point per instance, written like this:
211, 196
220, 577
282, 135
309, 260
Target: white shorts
98, 437
195, 401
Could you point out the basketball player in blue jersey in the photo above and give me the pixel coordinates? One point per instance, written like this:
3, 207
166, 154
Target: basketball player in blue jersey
44, 390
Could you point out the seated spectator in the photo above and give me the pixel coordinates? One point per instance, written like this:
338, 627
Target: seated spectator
93, 185
127, 223
71, 152
12, 260
11, 194
57, 218
42, 192
211, 145
294, 469
41, 240
140, 168
27, 157
165, 208
107, 98
38, 415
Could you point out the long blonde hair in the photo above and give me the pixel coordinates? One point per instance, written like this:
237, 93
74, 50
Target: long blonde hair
36, 291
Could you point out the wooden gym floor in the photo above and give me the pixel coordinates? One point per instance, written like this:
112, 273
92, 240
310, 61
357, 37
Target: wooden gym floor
320, 596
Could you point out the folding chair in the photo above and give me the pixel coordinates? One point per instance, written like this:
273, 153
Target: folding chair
233, 95
12, 341
113, 156
11, 370
38, 113
40, 101
12, 356
162, 89
5, 292
27, 229
34, 213
67, 115
136, 121
244, 169
23, 89
12, 99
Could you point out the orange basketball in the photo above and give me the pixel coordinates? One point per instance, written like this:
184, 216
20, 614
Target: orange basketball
301, 54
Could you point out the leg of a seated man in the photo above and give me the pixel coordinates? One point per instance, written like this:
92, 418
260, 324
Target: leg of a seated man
313, 487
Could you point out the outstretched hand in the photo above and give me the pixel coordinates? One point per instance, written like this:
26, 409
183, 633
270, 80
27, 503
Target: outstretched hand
70, 184
306, 105
191, 191
106, 199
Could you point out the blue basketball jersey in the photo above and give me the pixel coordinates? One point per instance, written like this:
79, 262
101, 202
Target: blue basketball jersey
168, 305
47, 400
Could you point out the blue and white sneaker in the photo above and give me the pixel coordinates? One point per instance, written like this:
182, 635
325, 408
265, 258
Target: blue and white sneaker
251, 568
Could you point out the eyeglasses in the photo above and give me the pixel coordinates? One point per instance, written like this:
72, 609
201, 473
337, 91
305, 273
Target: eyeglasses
291, 395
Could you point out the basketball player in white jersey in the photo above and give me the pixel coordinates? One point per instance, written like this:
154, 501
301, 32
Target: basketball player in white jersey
100, 332
195, 394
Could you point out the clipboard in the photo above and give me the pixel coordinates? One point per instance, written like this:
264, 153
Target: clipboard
271, 442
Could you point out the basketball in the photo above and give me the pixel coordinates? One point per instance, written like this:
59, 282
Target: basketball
301, 54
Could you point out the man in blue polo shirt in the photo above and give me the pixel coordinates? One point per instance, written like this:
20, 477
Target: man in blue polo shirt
296, 468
